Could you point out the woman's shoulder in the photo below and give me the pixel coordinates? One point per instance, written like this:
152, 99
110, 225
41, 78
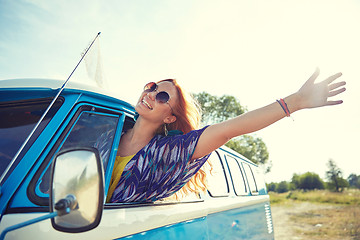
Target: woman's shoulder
176, 136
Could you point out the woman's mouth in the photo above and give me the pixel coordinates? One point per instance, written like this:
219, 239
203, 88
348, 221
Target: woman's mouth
147, 104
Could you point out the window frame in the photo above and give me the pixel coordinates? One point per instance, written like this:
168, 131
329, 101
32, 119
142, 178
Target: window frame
243, 177
59, 140
219, 158
249, 178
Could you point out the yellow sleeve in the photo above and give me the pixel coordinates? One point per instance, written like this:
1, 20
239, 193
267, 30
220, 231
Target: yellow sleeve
119, 165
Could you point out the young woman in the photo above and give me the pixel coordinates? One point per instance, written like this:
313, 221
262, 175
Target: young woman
154, 161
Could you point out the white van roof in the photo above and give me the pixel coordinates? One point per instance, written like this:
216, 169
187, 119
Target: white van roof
53, 84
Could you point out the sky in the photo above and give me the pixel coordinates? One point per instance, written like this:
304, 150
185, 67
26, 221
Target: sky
257, 51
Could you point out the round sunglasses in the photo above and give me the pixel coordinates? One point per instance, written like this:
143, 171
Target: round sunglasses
161, 97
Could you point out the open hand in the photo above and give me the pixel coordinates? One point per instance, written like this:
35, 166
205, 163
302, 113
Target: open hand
314, 95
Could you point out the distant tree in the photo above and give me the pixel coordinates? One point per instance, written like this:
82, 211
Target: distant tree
334, 175
295, 182
354, 180
282, 187
310, 181
271, 187
217, 109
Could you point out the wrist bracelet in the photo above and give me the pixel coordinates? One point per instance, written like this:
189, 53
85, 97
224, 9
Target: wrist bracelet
284, 106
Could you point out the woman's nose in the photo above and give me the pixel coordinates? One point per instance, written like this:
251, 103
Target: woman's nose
152, 95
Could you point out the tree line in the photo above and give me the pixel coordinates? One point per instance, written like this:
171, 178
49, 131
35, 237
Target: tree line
311, 181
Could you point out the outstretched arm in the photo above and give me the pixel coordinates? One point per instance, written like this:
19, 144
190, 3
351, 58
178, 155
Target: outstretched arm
310, 95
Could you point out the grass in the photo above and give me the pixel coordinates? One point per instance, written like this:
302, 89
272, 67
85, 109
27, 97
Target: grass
348, 197
337, 217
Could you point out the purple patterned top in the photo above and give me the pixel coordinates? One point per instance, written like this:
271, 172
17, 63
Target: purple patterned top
160, 169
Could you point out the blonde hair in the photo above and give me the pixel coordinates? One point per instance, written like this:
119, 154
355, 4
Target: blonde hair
188, 118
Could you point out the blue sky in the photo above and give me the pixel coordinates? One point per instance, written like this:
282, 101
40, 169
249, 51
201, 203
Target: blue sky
257, 51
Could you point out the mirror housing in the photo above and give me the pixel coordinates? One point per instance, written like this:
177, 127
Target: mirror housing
77, 190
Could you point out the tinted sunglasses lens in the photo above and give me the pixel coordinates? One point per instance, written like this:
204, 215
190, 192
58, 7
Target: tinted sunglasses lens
150, 87
162, 97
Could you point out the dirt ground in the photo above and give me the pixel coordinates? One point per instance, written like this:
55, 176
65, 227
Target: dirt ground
285, 228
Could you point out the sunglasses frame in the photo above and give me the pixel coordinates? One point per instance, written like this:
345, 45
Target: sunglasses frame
154, 89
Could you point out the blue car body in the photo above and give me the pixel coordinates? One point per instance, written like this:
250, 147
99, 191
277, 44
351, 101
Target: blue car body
236, 205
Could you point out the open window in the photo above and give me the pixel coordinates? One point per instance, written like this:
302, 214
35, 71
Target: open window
90, 128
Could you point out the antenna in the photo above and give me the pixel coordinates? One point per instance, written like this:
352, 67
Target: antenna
46, 111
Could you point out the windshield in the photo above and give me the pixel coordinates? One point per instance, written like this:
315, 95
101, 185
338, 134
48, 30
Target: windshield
17, 120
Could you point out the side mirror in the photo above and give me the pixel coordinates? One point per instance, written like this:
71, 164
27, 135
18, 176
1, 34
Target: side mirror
77, 190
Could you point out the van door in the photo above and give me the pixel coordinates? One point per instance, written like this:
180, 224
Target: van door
95, 126
88, 126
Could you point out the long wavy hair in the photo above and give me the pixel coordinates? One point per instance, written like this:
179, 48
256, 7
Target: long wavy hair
188, 118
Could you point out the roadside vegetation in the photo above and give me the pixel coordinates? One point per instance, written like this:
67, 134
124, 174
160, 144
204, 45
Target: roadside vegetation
350, 197
334, 181
317, 209
326, 214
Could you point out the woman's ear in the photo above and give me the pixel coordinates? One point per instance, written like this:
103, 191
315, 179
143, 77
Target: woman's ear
170, 119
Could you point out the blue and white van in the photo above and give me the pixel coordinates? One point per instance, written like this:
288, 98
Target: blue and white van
62, 174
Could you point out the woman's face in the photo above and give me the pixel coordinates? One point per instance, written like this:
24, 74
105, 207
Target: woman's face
148, 107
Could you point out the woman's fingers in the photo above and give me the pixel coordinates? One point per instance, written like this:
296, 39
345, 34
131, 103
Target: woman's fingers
336, 92
330, 103
333, 78
317, 94
332, 87
336, 85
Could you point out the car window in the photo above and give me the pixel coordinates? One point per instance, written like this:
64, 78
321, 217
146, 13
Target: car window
237, 176
91, 129
259, 178
217, 184
250, 177
17, 121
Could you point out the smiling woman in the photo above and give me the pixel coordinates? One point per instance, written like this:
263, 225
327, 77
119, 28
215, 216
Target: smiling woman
161, 165
166, 161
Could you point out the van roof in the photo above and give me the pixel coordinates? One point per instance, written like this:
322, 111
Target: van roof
230, 151
52, 84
